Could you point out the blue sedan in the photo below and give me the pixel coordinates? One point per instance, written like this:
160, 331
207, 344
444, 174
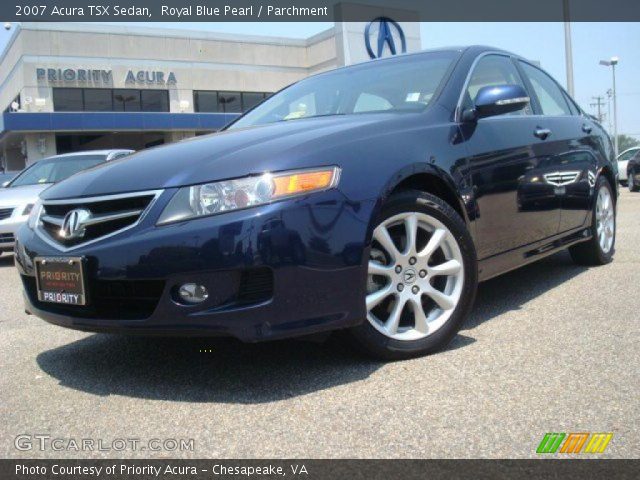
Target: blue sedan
372, 199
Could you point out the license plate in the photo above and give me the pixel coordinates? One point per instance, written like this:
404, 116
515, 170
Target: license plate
61, 280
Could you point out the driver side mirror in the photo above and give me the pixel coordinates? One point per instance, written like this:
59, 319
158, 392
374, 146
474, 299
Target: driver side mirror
497, 100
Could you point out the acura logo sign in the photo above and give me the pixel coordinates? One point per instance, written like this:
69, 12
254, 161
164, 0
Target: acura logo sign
74, 223
388, 33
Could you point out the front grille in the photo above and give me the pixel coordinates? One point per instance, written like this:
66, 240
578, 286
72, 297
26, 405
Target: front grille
108, 299
561, 178
98, 217
6, 213
7, 237
256, 285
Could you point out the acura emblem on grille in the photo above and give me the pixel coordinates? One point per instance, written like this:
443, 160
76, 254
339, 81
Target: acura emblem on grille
74, 223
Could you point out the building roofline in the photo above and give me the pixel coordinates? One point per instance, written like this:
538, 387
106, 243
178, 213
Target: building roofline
174, 33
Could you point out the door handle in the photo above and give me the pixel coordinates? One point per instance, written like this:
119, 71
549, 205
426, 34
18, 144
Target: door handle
586, 128
542, 133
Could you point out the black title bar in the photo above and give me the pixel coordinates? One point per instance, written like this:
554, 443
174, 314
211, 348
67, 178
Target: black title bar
318, 469
319, 10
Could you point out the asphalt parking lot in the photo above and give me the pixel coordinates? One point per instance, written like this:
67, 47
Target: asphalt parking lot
552, 347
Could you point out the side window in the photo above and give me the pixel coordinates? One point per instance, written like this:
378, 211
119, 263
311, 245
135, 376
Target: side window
572, 105
493, 70
549, 95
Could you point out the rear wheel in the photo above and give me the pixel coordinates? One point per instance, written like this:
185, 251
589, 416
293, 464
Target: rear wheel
422, 278
599, 249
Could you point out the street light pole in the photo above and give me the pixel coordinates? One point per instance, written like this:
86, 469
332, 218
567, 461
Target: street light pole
568, 50
615, 107
612, 63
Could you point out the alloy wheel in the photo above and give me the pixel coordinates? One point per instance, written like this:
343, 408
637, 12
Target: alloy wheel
605, 219
415, 276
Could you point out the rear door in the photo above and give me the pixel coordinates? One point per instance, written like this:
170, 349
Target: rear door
514, 206
570, 150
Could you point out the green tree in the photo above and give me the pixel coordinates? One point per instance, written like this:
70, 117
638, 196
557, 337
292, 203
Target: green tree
625, 142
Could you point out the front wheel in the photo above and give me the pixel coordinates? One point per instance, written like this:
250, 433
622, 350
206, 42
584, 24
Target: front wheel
422, 278
631, 182
599, 249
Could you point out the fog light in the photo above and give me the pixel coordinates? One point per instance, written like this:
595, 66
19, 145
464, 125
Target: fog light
193, 293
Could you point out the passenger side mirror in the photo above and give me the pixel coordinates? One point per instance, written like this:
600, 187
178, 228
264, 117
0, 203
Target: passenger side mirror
496, 100
4, 184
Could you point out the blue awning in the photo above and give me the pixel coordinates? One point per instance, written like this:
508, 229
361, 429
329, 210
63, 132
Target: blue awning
111, 121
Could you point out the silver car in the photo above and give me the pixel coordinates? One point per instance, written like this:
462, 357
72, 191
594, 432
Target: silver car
20, 194
623, 160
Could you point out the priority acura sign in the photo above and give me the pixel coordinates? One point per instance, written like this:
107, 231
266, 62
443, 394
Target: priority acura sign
103, 77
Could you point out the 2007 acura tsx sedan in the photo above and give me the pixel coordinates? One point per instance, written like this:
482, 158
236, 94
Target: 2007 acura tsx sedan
372, 198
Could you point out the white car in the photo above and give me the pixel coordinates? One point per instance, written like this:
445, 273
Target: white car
19, 195
623, 159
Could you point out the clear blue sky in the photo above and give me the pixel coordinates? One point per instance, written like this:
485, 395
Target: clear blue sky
537, 41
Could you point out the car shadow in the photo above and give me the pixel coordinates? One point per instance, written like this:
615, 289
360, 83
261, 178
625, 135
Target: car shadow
512, 290
6, 260
228, 371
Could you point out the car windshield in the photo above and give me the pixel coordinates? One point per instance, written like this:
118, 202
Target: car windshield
54, 170
398, 85
627, 155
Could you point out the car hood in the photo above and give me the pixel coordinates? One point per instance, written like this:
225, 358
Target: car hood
16, 196
228, 154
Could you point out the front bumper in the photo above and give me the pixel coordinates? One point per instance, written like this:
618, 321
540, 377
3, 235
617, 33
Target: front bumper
291, 268
8, 229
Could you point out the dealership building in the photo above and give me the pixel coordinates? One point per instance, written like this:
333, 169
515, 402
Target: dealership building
68, 87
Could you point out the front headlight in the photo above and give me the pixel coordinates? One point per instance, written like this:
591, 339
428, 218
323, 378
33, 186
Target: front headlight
34, 213
218, 197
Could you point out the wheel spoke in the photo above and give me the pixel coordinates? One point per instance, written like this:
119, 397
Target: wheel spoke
392, 323
381, 234
433, 244
411, 227
420, 318
450, 267
444, 301
373, 299
376, 268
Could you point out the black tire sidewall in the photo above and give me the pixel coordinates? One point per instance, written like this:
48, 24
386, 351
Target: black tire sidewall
382, 346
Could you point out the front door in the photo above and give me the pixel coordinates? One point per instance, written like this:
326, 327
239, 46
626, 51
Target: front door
515, 206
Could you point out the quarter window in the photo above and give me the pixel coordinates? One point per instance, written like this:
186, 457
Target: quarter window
550, 96
493, 70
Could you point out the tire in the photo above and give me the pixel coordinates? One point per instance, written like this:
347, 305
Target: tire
441, 282
592, 252
631, 184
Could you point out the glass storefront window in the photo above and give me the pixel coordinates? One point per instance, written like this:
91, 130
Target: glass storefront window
68, 100
251, 99
229, 102
97, 100
126, 100
205, 101
109, 100
155, 100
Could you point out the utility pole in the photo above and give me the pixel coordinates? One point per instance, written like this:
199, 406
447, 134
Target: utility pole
598, 104
568, 51
609, 121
